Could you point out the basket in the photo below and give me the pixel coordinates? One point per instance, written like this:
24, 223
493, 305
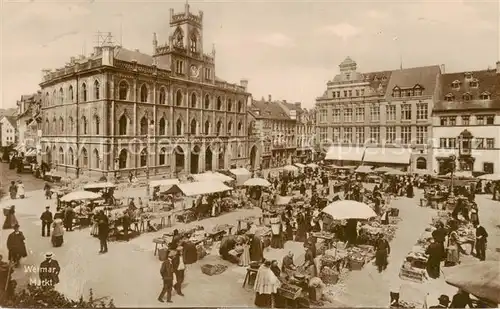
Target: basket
356, 264
210, 270
329, 277
394, 212
289, 291
412, 275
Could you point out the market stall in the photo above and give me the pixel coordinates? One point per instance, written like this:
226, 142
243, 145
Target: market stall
211, 176
241, 174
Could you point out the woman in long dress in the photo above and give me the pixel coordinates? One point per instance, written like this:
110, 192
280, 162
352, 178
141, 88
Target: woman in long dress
245, 256
266, 284
452, 252
277, 233
57, 233
10, 218
20, 190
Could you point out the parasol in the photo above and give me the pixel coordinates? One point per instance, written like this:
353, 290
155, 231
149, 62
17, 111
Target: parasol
492, 177
80, 196
365, 169
257, 182
347, 209
481, 279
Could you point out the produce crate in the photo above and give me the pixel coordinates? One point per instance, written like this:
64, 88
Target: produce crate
415, 275
290, 291
394, 212
210, 270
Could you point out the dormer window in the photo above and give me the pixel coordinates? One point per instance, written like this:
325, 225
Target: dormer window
474, 83
468, 75
455, 85
449, 97
485, 96
396, 92
348, 76
467, 96
417, 90
384, 78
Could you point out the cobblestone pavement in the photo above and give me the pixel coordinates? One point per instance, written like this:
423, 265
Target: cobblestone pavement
7, 175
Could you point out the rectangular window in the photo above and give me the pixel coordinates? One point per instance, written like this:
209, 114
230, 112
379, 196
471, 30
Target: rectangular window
336, 135
442, 143
406, 135
333, 94
179, 69
421, 135
375, 135
362, 92
490, 143
336, 115
391, 112
360, 135
405, 111
338, 94
348, 115
443, 121
465, 120
350, 93
357, 93
479, 142
480, 120
452, 143
208, 73
360, 114
323, 115
390, 134
422, 111
452, 121
323, 134
488, 167
345, 93
347, 135
375, 113
490, 120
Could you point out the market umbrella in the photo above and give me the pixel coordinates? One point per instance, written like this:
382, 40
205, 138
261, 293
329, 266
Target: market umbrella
347, 209
365, 169
80, 196
492, 177
481, 279
461, 174
257, 182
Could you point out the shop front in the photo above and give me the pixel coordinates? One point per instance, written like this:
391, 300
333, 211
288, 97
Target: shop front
345, 156
391, 157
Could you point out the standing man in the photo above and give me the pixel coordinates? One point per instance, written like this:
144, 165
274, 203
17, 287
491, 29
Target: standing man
47, 219
103, 231
167, 275
179, 268
481, 240
49, 271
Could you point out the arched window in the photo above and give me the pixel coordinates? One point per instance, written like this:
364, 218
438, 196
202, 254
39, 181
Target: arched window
84, 92
144, 126
144, 93
240, 129
96, 160
219, 103
178, 98
122, 159
178, 127
61, 156
219, 128
162, 127
230, 128
144, 157
162, 156
47, 99
71, 156
207, 127
61, 95
207, 102
193, 127
193, 100
61, 124
122, 125
47, 126
96, 90
421, 163
123, 90
163, 96
240, 106
194, 43
54, 98
71, 125
229, 105
97, 125
240, 151
85, 158
84, 125
54, 125
70, 93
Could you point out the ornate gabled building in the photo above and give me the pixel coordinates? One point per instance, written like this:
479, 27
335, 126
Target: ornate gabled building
466, 122
29, 123
121, 110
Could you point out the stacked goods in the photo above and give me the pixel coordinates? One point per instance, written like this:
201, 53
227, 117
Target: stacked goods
328, 260
221, 228
320, 248
408, 272
324, 235
356, 261
289, 291
212, 270
329, 275
407, 304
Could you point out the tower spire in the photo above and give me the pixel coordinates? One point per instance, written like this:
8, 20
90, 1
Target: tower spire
186, 7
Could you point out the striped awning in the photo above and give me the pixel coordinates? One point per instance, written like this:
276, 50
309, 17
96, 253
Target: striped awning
30, 153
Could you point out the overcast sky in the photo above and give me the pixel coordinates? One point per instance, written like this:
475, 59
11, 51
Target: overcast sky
288, 49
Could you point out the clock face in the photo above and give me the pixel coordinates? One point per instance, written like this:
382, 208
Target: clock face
195, 71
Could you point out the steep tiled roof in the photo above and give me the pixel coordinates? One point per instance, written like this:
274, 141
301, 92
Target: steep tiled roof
426, 77
488, 81
378, 80
269, 110
12, 120
128, 55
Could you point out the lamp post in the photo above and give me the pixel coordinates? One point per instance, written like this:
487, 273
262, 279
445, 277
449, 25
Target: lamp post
151, 127
453, 167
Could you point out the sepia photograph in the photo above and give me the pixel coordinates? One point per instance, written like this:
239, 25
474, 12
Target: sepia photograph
249, 153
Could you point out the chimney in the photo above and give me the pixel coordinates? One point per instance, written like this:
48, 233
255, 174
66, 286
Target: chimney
498, 67
270, 98
244, 83
443, 69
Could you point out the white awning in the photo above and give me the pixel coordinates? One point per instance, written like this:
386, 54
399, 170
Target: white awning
199, 188
313, 165
164, 182
388, 155
98, 185
300, 165
347, 153
291, 168
240, 171
208, 176
364, 169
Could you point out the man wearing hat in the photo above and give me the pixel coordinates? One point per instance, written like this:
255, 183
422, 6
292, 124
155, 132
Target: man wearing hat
49, 271
179, 268
444, 301
167, 275
47, 219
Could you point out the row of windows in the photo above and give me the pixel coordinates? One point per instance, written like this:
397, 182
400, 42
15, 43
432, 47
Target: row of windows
357, 135
358, 114
468, 96
465, 120
349, 93
59, 97
409, 92
473, 83
477, 143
